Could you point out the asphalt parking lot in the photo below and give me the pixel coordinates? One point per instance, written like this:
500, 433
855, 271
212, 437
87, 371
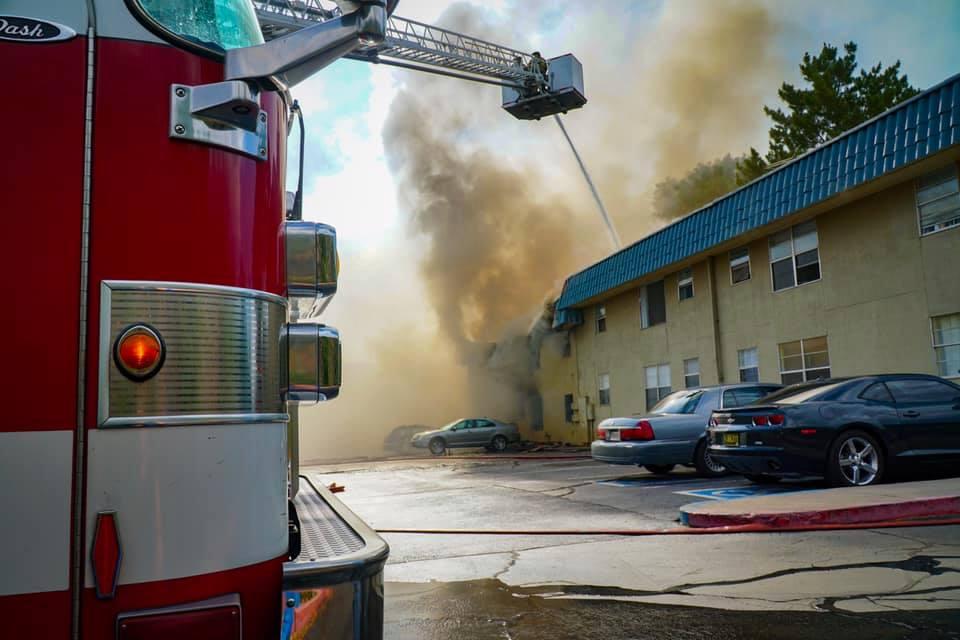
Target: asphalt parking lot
902, 583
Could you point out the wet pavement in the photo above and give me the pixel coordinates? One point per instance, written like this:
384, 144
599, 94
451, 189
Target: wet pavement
894, 583
488, 610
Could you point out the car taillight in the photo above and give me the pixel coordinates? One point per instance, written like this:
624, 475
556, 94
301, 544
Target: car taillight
643, 431
601, 434
775, 419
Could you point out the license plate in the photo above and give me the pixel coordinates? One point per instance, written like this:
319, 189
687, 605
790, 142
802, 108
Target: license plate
731, 439
615, 436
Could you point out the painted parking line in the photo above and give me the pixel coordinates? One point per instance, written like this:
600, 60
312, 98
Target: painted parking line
734, 493
645, 483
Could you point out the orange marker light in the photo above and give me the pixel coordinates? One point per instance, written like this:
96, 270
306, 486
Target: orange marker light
139, 352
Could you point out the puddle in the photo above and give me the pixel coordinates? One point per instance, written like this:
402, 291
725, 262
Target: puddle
487, 609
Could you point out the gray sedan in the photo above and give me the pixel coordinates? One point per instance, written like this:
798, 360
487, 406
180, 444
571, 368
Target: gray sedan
674, 432
471, 432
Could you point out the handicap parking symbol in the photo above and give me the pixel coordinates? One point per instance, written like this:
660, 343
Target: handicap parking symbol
733, 493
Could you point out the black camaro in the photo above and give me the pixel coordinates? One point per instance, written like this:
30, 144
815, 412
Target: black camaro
849, 431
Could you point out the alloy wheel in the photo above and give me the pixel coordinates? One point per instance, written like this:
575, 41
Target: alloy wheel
712, 464
859, 461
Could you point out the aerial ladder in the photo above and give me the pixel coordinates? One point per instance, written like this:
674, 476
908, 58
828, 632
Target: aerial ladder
532, 87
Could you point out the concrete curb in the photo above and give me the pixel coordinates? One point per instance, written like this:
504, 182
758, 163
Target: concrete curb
708, 515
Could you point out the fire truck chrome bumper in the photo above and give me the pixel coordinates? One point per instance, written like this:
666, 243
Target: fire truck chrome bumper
335, 586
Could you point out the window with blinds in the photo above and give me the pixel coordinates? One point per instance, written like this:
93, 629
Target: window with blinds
938, 200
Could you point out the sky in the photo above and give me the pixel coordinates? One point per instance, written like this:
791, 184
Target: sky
669, 84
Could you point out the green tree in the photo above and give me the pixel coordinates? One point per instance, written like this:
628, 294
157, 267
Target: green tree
836, 99
674, 197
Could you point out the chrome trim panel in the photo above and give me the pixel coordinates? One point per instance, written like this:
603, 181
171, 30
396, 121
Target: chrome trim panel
224, 361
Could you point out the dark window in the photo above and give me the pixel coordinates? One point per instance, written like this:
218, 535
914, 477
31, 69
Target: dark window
568, 407
658, 306
804, 360
741, 396
601, 318
791, 378
749, 363
658, 384
877, 392
653, 308
922, 390
691, 373
740, 265
938, 200
946, 344
782, 275
808, 267
604, 389
795, 256
685, 284
683, 402
566, 346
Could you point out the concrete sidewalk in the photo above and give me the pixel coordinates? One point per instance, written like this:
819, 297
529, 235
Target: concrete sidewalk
852, 505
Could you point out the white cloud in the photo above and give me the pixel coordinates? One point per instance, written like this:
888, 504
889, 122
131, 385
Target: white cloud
359, 200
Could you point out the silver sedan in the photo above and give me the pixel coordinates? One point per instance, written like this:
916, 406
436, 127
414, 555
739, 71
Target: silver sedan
674, 431
469, 432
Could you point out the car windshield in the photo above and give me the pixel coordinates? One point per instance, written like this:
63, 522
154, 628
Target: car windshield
213, 24
679, 402
807, 393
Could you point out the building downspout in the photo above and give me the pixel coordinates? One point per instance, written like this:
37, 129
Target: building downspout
577, 395
715, 318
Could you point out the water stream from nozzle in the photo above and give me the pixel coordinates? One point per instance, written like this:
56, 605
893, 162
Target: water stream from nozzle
614, 236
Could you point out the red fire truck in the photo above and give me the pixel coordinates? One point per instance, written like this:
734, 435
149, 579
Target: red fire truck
159, 276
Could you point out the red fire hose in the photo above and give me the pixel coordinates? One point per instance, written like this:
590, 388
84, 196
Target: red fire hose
683, 531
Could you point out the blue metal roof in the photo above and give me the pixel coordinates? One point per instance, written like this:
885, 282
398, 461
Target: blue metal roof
915, 129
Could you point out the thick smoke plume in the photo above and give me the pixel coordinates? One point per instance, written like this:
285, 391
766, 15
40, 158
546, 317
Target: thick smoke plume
501, 237
497, 241
498, 209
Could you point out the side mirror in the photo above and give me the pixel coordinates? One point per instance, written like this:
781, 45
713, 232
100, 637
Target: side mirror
313, 371
312, 265
284, 62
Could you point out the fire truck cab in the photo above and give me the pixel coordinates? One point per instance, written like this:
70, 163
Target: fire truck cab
152, 364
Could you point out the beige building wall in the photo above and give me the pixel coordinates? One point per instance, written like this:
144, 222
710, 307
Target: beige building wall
556, 377
880, 284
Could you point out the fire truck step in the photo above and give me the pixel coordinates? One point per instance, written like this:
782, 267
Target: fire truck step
323, 533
